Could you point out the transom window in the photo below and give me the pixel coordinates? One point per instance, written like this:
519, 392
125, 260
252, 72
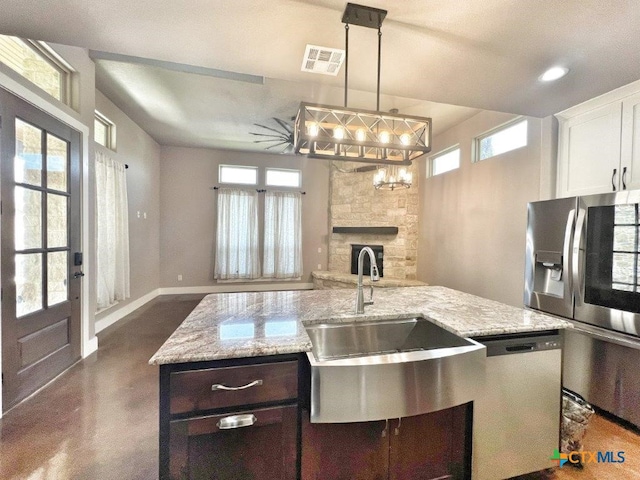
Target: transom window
444, 161
279, 177
238, 174
104, 131
36, 62
501, 140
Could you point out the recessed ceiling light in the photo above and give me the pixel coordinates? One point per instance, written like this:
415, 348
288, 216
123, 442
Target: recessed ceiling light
554, 73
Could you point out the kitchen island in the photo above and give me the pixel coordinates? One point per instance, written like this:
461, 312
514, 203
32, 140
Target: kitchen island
232, 343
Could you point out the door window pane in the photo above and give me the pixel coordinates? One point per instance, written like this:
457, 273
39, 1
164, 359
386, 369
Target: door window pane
28, 159
56, 220
28, 283
56, 163
57, 277
28, 218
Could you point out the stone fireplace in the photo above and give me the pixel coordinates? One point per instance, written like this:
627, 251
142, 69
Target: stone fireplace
354, 202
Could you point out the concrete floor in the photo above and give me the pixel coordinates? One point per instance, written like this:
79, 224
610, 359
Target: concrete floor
99, 420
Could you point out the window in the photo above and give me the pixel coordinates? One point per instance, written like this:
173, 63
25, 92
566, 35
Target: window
501, 140
277, 177
237, 255
444, 161
282, 235
238, 237
104, 131
36, 62
238, 174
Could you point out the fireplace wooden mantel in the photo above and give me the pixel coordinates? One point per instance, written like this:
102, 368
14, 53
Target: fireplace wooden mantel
366, 230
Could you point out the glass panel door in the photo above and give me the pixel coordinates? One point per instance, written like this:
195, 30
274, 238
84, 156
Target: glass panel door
40, 230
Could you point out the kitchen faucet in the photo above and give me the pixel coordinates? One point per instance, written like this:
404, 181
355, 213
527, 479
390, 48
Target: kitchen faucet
360, 303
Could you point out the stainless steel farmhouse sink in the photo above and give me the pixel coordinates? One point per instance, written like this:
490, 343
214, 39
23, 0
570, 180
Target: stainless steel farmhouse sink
389, 368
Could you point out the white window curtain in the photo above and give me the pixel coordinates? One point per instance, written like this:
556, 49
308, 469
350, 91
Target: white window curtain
282, 235
112, 231
237, 247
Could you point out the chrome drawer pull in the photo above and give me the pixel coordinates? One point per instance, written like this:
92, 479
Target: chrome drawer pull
219, 386
237, 421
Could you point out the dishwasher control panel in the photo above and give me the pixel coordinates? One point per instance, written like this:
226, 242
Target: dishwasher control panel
520, 343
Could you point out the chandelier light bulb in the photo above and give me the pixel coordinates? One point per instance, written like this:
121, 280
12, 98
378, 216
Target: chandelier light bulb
313, 129
338, 133
405, 138
384, 137
361, 135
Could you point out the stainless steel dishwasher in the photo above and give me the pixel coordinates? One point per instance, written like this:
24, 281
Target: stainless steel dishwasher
516, 419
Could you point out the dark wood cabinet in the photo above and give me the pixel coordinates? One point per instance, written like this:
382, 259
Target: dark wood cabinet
248, 419
344, 451
423, 447
230, 419
264, 449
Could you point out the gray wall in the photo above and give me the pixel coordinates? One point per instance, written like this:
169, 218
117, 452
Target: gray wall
138, 150
188, 211
473, 220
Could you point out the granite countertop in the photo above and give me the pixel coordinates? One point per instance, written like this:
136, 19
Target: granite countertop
352, 279
236, 325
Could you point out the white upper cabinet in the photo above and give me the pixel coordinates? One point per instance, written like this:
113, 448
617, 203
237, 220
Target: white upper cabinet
599, 144
630, 148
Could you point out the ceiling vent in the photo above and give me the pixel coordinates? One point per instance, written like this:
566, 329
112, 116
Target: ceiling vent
323, 60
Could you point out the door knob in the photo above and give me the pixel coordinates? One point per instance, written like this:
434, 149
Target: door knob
78, 274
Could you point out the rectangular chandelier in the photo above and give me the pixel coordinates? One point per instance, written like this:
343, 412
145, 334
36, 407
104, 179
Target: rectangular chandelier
339, 133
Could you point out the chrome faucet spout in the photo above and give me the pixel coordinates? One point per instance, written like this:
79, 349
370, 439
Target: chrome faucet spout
374, 275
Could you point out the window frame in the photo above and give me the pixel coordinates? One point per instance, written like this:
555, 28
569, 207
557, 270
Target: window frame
441, 153
47, 54
261, 186
110, 127
245, 167
511, 123
277, 169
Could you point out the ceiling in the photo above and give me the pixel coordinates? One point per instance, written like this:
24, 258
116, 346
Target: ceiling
441, 59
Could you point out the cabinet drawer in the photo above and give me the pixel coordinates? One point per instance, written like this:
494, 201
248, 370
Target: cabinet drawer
210, 388
259, 444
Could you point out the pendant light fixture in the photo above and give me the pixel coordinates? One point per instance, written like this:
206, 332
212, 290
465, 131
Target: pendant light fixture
392, 177
342, 133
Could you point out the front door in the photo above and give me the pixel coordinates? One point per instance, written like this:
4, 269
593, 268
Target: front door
40, 233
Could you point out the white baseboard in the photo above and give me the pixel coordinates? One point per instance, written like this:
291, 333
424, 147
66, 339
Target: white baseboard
116, 315
234, 288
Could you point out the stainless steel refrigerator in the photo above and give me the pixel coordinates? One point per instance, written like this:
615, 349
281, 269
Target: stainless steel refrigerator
583, 263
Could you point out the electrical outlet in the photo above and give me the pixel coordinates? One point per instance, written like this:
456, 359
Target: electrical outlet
319, 249
179, 278
319, 266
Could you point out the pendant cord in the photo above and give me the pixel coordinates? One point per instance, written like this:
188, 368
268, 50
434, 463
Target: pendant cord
346, 62
379, 56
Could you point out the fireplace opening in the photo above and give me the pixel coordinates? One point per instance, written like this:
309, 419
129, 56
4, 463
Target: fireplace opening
378, 251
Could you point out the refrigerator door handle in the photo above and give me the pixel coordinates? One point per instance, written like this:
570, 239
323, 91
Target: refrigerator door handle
566, 254
576, 267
